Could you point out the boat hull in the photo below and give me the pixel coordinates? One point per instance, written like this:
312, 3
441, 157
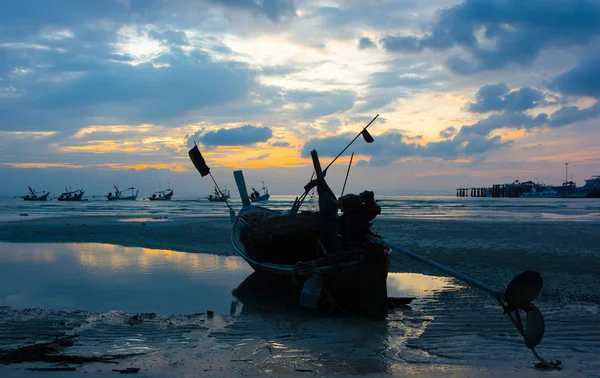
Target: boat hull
45, 197
165, 198
263, 198
354, 284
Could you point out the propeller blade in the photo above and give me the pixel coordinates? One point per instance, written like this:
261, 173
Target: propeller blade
534, 327
523, 289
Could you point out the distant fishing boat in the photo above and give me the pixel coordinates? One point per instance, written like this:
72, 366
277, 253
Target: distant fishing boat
255, 196
219, 196
36, 196
72, 195
119, 194
163, 195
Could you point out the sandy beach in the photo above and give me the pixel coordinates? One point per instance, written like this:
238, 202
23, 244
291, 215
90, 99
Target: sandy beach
458, 331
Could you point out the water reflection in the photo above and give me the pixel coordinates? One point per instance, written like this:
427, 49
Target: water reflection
102, 277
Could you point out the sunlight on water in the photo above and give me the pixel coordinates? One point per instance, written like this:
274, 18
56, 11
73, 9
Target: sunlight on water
418, 285
102, 277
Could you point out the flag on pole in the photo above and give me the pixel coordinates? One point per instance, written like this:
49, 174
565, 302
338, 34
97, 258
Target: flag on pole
198, 161
368, 138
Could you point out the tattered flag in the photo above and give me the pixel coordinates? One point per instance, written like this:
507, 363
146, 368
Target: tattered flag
368, 138
198, 161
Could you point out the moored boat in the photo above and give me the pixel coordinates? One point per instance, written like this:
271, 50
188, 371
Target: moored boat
335, 262
163, 195
120, 196
71, 195
348, 274
35, 195
219, 195
255, 195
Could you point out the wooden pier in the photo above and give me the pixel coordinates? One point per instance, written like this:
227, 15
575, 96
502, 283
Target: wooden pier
496, 191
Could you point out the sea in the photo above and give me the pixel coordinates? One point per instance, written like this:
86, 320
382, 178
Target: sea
392, 207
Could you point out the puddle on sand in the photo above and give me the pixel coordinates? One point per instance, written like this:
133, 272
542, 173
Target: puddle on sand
103, 277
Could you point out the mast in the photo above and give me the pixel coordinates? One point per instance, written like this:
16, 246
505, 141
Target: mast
566, 173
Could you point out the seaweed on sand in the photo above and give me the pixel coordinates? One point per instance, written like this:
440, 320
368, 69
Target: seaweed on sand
49, 352
282, 239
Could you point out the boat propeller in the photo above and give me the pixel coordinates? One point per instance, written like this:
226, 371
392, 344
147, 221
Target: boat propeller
517, 298
519, 294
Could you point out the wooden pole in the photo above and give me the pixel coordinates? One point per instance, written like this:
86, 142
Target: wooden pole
349, 144
347, 173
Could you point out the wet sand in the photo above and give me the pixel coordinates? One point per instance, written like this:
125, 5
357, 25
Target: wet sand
449, 332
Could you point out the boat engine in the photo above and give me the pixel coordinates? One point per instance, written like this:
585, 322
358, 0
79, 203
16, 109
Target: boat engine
357, 212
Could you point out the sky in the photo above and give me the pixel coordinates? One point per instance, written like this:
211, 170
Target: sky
469, 93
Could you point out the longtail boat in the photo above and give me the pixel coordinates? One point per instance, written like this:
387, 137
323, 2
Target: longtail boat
119, 195
71, 195
335, 262
35, 195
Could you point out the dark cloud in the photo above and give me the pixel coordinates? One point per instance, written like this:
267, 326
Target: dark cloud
393, 145
239, 136
366, 43
498, 97
77, 92
274, 10
572, 114
401, 44
448, 132
280, 144
501, 32
583, 80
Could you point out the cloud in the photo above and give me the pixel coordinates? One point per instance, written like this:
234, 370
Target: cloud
497, 97
239, 136
393, 145
401, 44
448, 132
392, 79
316, 104
572, 114
502, 32
274, 10
366, 43
72, 89
280, 144
583, 80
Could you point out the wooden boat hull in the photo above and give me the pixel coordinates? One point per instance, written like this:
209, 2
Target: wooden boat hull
356, 284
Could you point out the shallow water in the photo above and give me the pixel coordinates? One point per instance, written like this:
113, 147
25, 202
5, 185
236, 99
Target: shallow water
93, 290
103, 277
413, 207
